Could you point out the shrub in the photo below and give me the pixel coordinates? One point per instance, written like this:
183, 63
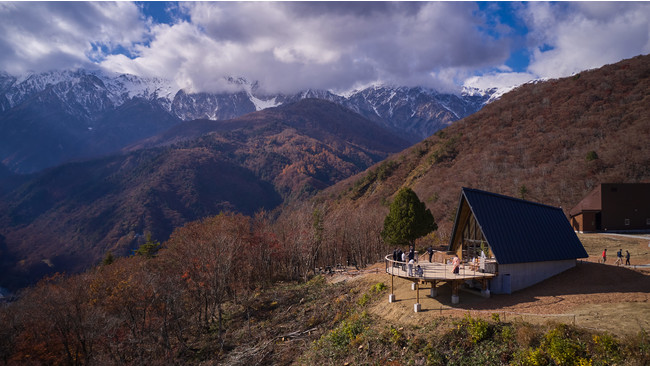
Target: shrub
592, 155
478, 329
378, 287
347, 331
363, 300
496, 318
396, 336
433, 355
561, 348
607, 349
527, 335
530, 357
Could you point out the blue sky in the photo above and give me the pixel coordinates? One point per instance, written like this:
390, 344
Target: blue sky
291, 46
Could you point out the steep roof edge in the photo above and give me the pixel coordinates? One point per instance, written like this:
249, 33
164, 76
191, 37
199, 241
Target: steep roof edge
591, 202
455, 227
464, 189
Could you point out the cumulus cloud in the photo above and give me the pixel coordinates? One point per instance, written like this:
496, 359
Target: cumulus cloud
566, 38
586, 35
54, 35
291, 46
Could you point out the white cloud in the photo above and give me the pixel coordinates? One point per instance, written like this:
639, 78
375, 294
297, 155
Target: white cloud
566, 38
288, 46
55, 35
500, 80
585, 35
293, 46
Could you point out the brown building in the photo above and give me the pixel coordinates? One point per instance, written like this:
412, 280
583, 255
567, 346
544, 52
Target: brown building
613, 207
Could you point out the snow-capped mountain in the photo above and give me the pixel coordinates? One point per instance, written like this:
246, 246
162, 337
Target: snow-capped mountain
413, 113
53, 117
68, 111
85, 92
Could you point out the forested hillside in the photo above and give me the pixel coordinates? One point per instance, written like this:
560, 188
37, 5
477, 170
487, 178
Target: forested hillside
549, 142
66, 218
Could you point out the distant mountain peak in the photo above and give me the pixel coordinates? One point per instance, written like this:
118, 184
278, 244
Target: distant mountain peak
81, 98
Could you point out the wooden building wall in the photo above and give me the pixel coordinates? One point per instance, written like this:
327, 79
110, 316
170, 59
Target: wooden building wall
625, 207
585, 222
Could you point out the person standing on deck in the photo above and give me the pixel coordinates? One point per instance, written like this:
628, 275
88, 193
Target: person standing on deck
430, 251
394, 257
455, 265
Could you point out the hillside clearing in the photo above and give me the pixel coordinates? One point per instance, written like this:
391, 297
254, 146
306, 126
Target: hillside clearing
592, 295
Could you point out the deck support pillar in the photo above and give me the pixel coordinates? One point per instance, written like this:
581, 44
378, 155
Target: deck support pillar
434, 289
485, 291
454, 292
391, 297
417, 307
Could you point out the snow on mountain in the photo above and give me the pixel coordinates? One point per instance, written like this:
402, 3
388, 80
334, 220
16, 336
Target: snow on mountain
412, 113
88, 91
131, 86
264, 104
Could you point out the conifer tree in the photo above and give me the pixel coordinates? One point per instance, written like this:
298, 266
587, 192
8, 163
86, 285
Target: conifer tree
149, 248
407, 220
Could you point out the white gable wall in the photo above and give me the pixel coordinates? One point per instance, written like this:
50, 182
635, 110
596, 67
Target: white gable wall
517, 276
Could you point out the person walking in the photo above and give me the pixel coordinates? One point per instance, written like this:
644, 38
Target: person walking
619, 257
627, 257
605, 255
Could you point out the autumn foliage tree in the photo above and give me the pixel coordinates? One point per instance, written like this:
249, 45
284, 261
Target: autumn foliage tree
210, 255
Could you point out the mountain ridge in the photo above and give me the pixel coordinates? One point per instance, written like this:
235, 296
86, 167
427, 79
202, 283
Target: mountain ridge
84, 100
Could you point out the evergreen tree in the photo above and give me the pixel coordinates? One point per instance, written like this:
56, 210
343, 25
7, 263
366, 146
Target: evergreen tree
149, 248
108, 258
407, 220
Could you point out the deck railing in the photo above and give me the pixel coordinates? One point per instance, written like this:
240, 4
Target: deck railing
436, 270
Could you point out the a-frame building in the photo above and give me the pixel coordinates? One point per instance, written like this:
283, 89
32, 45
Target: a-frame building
523, 242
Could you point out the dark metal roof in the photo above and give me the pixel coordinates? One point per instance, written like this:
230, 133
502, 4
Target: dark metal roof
520, 231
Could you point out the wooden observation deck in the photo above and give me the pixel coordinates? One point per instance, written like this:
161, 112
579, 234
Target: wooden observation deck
433, 273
